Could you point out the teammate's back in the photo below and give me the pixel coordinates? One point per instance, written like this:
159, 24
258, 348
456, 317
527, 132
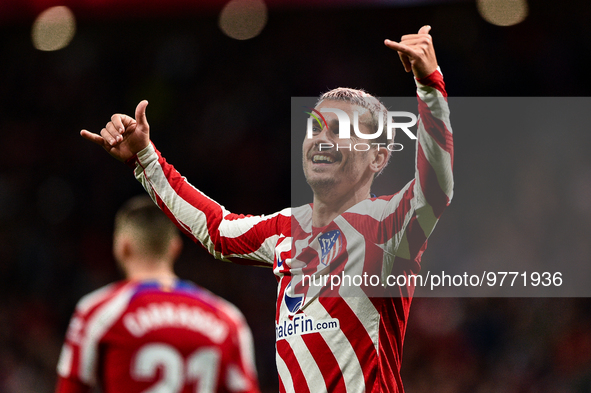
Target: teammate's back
140, 336
153, 332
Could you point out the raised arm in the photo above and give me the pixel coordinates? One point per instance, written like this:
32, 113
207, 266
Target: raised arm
225, 235
433, 183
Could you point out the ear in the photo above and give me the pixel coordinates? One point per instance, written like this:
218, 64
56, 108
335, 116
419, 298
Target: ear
175, 247
122, 248
380, 159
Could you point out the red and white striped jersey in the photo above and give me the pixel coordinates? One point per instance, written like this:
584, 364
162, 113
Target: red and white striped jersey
334, 341
137, 336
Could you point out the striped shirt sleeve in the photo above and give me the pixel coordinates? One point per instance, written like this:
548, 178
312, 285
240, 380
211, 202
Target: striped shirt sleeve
433, 187
227, 236
422, 201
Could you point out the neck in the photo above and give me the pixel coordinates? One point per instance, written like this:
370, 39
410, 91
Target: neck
156, 270
328, 206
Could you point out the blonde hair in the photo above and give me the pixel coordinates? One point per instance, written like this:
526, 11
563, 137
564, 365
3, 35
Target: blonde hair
365, 100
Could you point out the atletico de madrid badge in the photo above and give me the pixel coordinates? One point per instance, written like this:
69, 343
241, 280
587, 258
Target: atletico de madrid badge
330, 245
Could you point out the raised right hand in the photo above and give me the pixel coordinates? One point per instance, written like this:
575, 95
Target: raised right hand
416, 52
123, 137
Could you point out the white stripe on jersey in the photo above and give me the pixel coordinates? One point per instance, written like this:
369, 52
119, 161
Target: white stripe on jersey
432, 97
100, 322
343, 352
93, 298
367, 315
246, 345
403, 250
424, 214
358, 301
236, 228
375, 209
284, 246
156, 182
299, 245
64, 364
439, 159
235, 380
310, 369
283, 371
356, 250
427, 219
245, 340
398, 241
439, 109
303, 216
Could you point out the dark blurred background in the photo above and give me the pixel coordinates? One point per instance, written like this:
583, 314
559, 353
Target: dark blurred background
219, 111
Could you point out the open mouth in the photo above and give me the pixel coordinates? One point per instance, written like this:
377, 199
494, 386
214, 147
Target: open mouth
323, 159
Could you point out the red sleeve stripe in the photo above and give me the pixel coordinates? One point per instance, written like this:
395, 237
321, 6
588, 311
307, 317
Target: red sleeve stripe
434, 80
182, 200
435, 128
416, 238
397, 217
202, 218
429, 184
142, 176
240, 246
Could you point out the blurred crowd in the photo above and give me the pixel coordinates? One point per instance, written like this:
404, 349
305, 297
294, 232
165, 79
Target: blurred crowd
219, 111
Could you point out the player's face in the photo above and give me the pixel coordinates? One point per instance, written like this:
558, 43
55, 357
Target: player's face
341, 169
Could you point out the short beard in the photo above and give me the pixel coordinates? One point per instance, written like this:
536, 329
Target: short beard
320, 185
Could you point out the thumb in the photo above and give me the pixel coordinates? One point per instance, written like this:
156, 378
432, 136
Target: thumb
425, 29
140, 114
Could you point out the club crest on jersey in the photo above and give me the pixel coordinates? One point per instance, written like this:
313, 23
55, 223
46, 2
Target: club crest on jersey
330, 245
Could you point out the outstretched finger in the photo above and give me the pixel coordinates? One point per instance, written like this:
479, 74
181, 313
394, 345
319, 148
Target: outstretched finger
92, 137
401, 48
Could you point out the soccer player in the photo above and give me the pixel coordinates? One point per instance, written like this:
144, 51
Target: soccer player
153, 332
326, 341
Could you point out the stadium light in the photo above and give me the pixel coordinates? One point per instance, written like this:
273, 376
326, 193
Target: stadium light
53, 29
243, 19
503, 12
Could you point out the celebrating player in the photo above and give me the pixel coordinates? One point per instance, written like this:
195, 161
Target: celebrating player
343, 342
153, 332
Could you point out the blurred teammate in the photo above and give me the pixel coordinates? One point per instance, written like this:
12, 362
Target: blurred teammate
326, 341
153, 332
